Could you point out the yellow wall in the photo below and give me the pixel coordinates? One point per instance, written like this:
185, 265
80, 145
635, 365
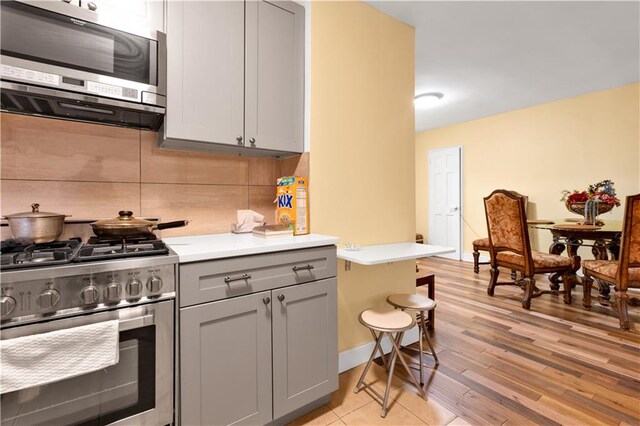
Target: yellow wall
362, 139
539, 151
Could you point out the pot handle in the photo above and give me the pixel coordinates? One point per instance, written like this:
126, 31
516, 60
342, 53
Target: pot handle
167, 225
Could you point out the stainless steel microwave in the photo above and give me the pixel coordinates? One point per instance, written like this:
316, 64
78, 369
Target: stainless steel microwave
61, 60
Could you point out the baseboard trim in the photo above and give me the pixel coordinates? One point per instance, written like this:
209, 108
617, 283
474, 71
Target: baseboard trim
468, 257
359, 355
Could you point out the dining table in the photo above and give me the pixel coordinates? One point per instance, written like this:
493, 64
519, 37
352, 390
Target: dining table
570, 235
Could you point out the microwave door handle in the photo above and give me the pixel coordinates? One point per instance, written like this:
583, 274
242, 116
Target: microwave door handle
139, 322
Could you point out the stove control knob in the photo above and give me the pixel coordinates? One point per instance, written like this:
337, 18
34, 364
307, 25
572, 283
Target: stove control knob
112, 291
134, 287
154, 284
48, 298
90, 295
8, 304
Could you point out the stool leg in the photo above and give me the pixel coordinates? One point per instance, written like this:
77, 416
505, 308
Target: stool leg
384, 359
420, 331
392, 364
433, 351
373, 355
404, 363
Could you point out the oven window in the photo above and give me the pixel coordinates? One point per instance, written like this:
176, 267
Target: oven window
98, 398
42, 36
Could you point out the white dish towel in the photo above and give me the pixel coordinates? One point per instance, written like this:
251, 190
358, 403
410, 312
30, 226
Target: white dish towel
57, 355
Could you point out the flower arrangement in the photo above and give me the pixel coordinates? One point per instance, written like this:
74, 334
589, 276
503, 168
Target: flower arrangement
602, 192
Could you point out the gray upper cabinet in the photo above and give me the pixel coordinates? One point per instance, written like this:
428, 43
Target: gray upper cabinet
305, 348
235, 76
205, 71
225, 360
275, 76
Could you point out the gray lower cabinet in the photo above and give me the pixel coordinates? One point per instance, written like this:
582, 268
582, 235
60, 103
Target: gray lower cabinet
254, 358
305, 347
225, 362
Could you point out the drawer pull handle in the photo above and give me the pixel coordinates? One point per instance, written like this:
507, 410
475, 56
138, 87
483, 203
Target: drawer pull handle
302, 268
281, 297
240, 278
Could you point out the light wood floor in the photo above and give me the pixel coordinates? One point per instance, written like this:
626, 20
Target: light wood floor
502, 365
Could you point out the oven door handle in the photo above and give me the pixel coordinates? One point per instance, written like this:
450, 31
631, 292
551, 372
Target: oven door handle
139, 322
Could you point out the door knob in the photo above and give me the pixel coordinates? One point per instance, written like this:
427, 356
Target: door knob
453, 209
252, 141
239, 139
266, 300
281, 297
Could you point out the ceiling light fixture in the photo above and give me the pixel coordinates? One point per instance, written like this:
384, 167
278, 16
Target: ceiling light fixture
425, 100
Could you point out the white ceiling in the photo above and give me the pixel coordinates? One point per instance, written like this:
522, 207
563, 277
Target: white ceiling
489, 57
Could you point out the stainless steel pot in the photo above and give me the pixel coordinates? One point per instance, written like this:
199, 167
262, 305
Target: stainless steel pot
126, 226
36, 226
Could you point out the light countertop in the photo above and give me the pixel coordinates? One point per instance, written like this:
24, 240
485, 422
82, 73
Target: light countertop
218, 246
385, 253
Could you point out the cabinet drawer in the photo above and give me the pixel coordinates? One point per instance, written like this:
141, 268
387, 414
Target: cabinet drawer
207, 281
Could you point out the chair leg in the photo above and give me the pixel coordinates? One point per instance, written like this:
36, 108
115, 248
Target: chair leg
567, 286
492, 282
529, 284
587, 284
476, 261
623, 314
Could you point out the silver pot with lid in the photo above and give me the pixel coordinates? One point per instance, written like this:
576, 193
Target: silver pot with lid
36, 226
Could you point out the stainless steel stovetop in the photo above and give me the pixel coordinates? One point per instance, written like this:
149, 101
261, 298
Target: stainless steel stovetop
40, 282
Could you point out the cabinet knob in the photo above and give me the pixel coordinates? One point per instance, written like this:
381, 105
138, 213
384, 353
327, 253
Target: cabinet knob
239, 139
281, 297
92, 6
266, 300
252, 141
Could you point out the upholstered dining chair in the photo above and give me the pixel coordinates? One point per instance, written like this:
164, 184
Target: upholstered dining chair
482, 244
623, 273
509, 247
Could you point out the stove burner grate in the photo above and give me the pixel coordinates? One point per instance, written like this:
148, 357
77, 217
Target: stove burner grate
97, 249
15, 254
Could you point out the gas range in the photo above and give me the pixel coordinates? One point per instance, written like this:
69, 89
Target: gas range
43, 281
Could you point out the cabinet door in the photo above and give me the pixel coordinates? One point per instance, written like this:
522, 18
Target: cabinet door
305, 344
225, 362
136, 13
275, 75
205, 69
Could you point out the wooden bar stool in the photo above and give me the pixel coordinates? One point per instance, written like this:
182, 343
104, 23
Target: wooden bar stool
421, 304
392, 324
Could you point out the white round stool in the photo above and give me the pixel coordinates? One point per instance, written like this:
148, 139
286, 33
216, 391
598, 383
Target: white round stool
393, 324
421, 304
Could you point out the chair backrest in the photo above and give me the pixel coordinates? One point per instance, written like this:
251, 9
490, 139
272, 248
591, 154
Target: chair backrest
630, 245
507, 226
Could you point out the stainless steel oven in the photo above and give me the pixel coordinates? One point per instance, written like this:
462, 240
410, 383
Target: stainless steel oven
64, 61
137, 390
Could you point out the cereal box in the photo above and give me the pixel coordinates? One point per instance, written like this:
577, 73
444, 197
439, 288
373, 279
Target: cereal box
292, 204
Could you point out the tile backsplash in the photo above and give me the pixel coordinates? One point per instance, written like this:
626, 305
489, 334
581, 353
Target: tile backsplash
93, 171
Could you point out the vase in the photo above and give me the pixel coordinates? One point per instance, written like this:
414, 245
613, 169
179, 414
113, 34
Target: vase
589, 212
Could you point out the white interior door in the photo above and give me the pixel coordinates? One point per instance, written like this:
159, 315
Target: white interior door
445, 195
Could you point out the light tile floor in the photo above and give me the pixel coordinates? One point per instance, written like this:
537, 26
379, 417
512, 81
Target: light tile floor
406, 407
